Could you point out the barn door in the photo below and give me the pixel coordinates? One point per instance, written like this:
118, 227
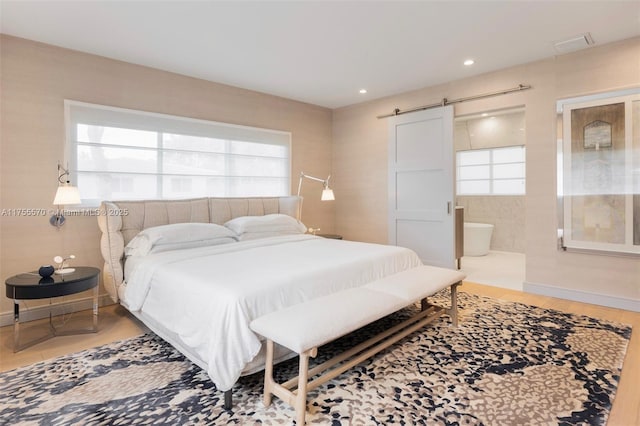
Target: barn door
422, 184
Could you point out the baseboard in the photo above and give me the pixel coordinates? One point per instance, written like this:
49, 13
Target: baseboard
583, 296
39, 312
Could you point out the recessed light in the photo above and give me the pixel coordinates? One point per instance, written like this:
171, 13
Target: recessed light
484, 114
469, 62
363, 91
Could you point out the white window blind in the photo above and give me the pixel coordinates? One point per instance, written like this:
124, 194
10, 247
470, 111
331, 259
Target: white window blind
494, 171
121, 154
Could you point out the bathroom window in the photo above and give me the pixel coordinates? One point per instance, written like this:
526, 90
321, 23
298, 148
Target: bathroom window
494, 171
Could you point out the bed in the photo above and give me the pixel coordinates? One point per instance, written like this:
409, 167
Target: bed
202, 298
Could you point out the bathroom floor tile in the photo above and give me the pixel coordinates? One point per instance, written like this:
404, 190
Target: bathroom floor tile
498, 268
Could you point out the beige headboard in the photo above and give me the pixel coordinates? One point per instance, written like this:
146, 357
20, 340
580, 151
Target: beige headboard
120, 221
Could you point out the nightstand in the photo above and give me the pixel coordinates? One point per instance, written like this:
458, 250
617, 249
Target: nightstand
30, 285
332, 236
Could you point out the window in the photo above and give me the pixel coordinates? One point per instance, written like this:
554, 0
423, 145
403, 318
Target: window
495, 171
120, 154
600, 174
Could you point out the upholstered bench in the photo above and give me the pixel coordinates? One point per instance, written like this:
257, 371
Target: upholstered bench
304, 327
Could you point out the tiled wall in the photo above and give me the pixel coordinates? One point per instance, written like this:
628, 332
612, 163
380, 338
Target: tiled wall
505, 212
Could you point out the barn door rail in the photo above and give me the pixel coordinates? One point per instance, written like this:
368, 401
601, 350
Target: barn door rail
446, 101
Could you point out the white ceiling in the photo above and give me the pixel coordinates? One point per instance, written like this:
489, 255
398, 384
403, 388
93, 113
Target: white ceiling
321, 52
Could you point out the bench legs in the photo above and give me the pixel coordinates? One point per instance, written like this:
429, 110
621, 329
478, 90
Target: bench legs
268, 375
453, 310
298, 398
341, 363
301, 399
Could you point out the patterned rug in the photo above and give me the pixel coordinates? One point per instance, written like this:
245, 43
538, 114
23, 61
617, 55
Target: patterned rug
506, 364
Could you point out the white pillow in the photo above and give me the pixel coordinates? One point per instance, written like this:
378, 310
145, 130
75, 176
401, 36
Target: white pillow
252, 227
178, 236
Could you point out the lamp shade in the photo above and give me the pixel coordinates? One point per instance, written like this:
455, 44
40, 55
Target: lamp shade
67, 194
327, 195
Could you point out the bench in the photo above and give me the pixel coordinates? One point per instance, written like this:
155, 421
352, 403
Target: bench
304, 327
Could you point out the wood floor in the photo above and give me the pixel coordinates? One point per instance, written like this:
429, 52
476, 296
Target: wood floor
116, 323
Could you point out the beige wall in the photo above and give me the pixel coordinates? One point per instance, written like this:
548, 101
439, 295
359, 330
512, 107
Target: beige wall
36, 78
360, 164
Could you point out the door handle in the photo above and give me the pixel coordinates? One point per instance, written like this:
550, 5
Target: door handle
449, 208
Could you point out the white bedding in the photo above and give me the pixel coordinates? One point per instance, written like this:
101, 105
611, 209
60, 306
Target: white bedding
209, 295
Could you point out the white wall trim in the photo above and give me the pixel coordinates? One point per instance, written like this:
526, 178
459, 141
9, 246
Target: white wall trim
583, 296
67, 307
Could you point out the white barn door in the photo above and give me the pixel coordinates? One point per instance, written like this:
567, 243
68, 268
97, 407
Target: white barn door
422, 185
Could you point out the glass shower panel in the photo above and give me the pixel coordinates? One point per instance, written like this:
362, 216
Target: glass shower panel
601, 172
597, 146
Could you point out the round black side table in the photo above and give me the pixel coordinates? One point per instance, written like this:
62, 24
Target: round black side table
30, 285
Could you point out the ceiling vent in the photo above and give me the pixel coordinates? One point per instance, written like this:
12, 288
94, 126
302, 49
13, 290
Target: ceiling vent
575, 43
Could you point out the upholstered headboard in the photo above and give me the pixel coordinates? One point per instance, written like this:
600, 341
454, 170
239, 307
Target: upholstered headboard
120, 221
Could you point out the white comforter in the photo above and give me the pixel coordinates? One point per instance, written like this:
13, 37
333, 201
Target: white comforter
208, 296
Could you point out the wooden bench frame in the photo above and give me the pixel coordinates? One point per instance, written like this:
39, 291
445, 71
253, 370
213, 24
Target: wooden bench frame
294, 391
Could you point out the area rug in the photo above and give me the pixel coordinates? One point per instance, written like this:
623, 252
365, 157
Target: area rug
506, 364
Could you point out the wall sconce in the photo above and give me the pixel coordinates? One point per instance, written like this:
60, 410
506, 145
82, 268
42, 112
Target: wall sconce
66, 194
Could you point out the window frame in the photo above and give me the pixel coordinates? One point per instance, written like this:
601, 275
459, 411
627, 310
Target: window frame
491, 179
77, 112
565, 192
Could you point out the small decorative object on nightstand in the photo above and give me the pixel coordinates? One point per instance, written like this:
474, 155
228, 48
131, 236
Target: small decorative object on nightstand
62, 264
332, 236
31, 285
46, 271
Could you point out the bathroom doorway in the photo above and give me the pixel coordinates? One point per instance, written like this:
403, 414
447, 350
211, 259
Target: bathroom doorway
490, 186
